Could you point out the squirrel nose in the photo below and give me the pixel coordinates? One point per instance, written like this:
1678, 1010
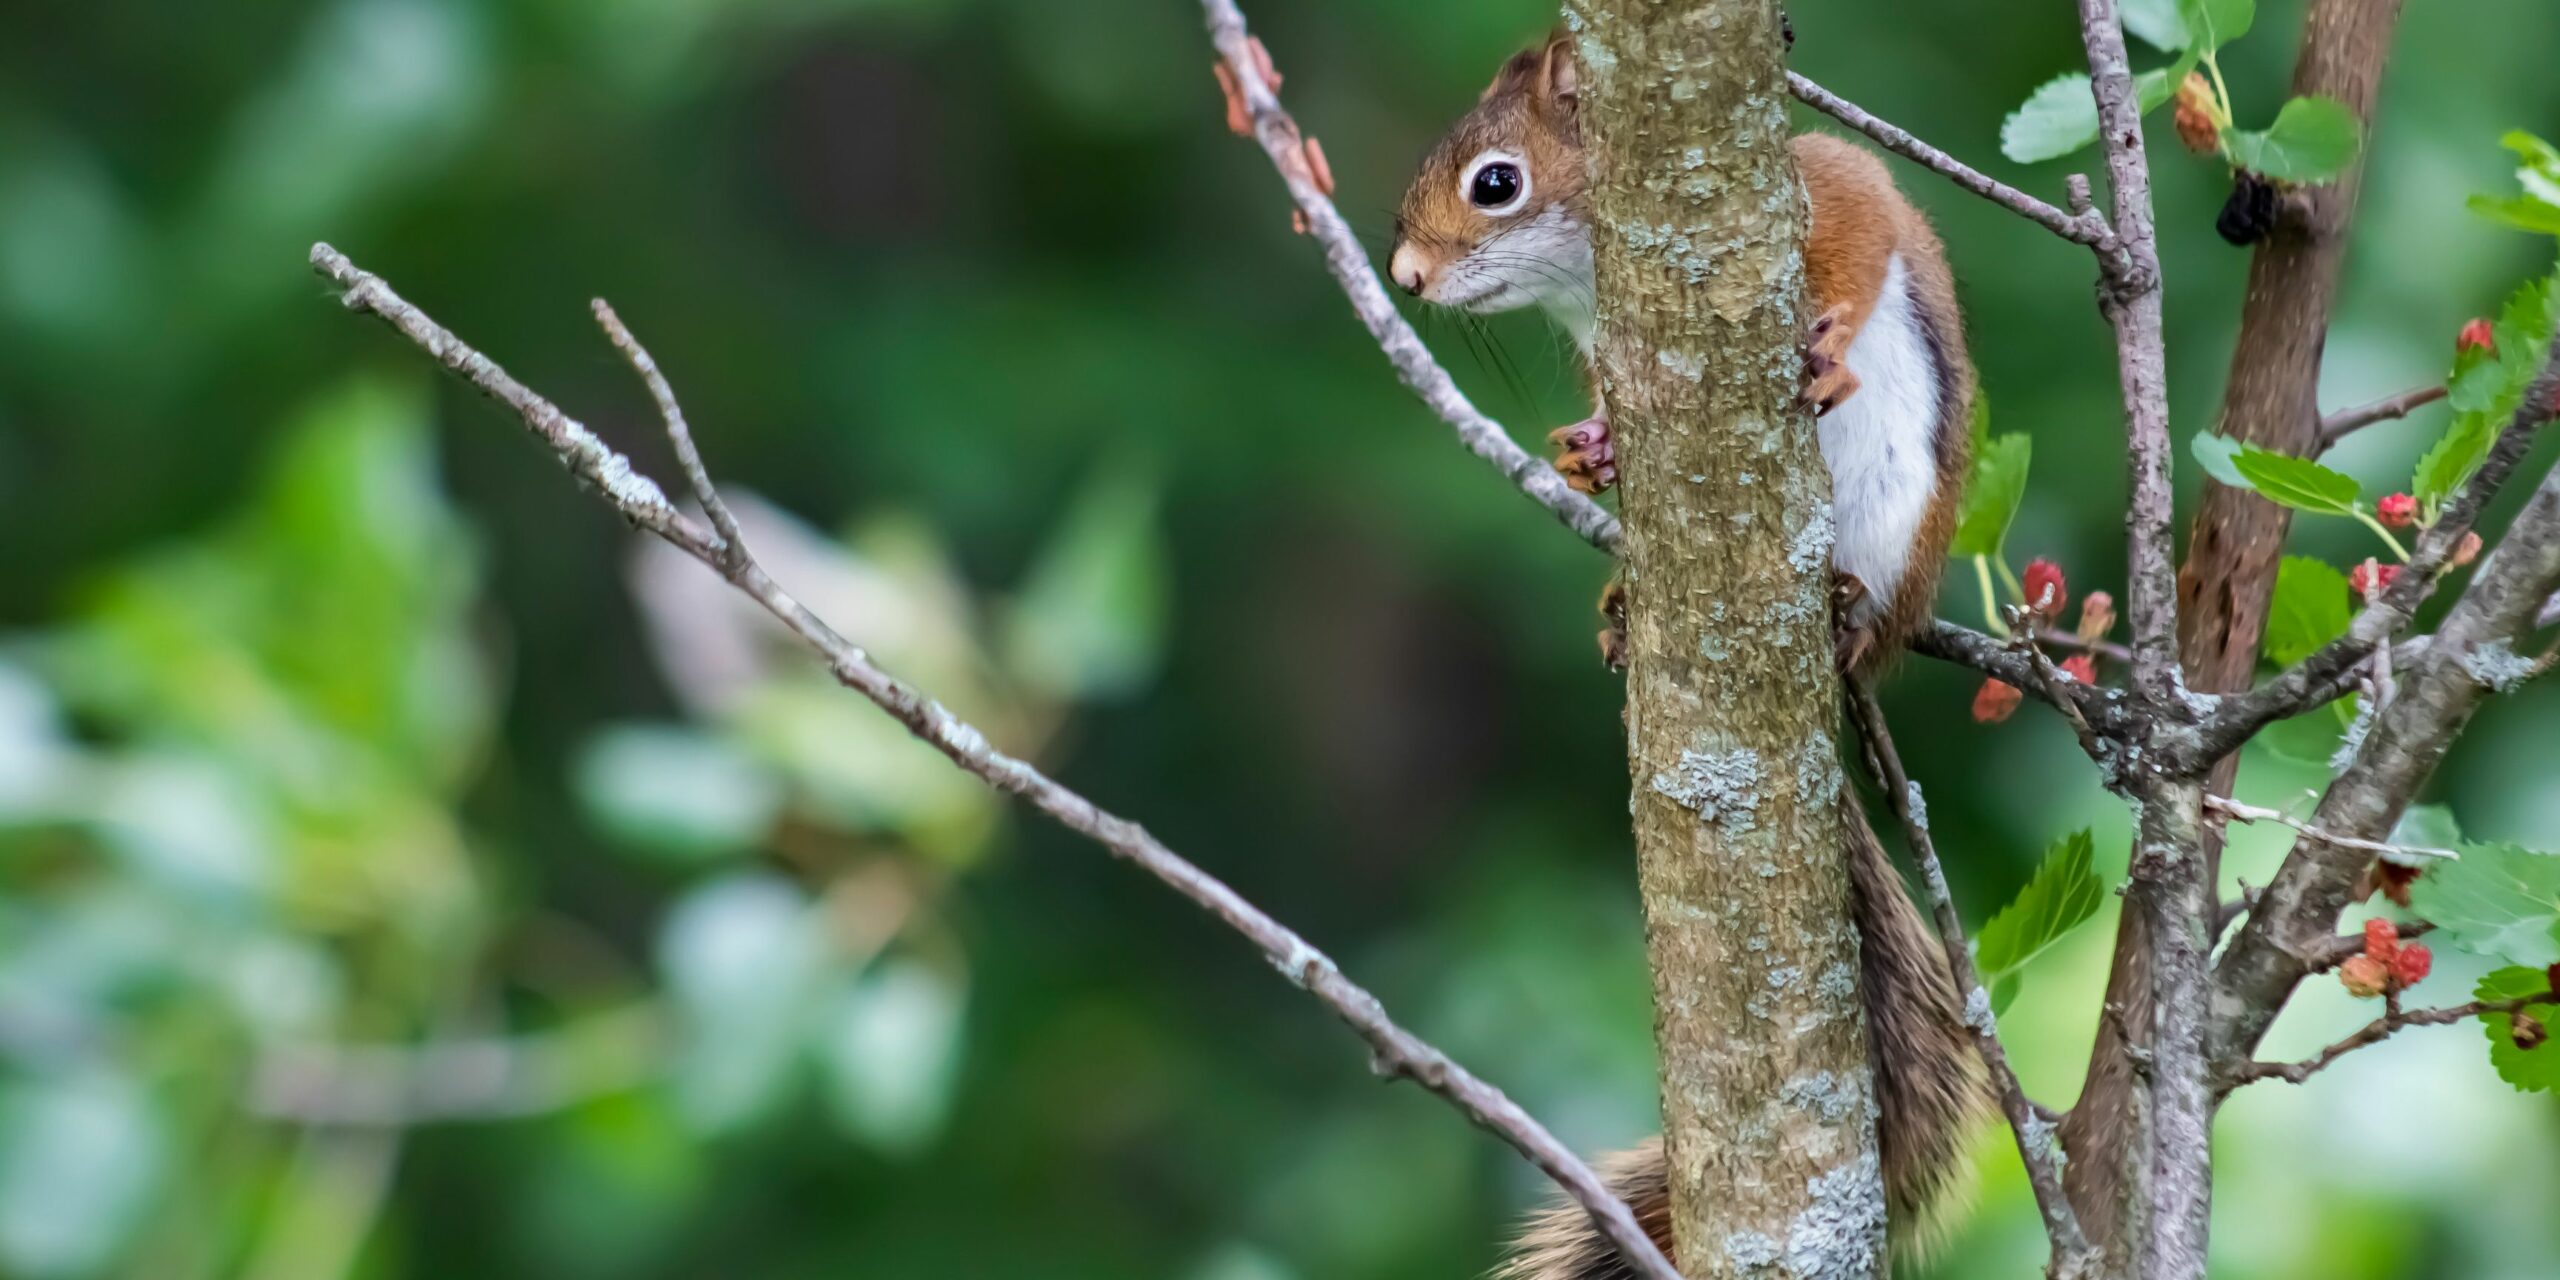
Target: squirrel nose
1405, 268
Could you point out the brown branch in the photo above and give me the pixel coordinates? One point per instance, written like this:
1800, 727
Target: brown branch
2084, 228
1398, 1052
2375, 1032
2038, 1146
2346, 422
1254, 101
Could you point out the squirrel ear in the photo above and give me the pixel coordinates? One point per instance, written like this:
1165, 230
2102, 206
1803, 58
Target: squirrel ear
1547, 74
1559, 79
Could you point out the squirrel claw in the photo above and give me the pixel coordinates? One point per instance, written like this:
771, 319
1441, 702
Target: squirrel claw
1850, 641
1587, 459
1827, 380
1613, 638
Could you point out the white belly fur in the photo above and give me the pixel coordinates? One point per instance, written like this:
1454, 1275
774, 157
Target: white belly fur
1880, 445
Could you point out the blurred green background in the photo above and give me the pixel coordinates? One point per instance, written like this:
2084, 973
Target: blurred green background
403, 873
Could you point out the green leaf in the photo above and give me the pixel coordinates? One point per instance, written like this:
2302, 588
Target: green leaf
2312, 140
2487, 387
2538, 207
2451, 460
2158, 23
2005, 993
2524, 213
2294, 482
2061, 116
2530, 1070
2428, 826
743, 957
86, 1155
679, 794
889, 1049
2211, 24
2500, 900
2309, 609
1091, 617
2214, 454
1992, 494
2063, 893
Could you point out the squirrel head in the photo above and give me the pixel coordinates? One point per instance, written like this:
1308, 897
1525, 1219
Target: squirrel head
1498, 216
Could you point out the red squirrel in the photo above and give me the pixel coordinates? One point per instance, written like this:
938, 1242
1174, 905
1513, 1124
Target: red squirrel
1499, 219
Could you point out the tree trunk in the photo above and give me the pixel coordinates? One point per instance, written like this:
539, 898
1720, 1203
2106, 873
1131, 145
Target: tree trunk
1732, 700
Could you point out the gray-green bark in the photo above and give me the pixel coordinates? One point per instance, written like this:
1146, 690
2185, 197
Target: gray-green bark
1732, 700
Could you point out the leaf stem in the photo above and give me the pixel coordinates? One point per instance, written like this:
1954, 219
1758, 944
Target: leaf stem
2382, 532
1990, 597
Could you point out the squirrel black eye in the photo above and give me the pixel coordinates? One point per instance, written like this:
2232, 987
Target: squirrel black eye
1495, 185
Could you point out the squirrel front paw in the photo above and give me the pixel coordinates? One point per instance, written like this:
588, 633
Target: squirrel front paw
1827, 380
1586, 459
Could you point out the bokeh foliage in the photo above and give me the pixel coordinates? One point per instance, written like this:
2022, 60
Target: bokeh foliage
330, 716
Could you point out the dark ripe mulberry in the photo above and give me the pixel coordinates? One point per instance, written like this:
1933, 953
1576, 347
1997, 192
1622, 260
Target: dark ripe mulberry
2250, 213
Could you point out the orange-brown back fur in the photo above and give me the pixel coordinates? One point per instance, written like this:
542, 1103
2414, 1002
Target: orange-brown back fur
1860, 221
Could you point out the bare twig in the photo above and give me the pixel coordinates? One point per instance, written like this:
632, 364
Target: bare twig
733, 545
1246, 78
2346, 422
1398, 1052
2080, 228
2057, 685
2239, 812
2375, 1032
2342, 946
2105, 710
2057, 638
2037, 1145
2131, 300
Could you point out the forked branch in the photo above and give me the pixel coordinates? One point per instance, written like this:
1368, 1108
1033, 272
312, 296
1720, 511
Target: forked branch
1397, 1051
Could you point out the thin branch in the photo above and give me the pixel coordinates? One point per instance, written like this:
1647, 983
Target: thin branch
2341, 947
2375, 1032
733, 545
2294, 690
2346, 422
2239, 812
2131, 300
1254, 102
2037, 1145
2171, 887
2104, 710
2057, 638
2080, 228
2057, 687
1398, 1052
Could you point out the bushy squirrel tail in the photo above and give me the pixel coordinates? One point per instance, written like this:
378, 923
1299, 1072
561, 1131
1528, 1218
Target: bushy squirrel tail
1930, 1090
